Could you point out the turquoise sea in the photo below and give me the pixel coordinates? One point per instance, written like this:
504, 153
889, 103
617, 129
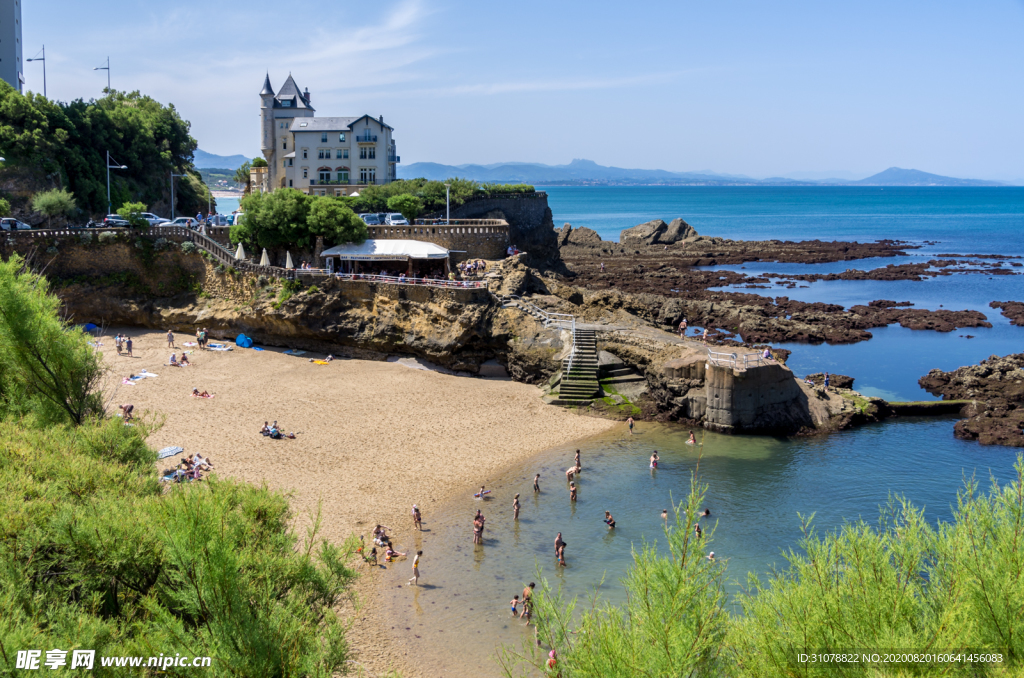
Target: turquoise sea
757, 485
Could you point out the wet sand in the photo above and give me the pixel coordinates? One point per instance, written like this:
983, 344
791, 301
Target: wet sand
372, 438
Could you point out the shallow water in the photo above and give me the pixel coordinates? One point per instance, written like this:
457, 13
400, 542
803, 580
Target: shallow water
757, 486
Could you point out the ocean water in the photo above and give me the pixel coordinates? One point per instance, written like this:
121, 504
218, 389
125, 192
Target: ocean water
758, 487
939, 220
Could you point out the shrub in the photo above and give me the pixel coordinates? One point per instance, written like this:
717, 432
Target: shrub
54, 203
188, 247
139, 244
51, 250
262, 280
220, 268
312, 289
5, 208
160, 244
86, 238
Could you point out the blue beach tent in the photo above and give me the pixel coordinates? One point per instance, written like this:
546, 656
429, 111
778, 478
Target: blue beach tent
243, 341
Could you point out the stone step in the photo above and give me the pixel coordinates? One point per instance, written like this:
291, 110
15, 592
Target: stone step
625, 379
617, 371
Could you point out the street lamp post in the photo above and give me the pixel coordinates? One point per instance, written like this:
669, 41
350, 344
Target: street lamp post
43, 59
110, 167
107, 69
447, 204
172, 191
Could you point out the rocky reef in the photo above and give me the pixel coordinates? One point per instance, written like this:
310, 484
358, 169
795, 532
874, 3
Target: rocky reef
995, 387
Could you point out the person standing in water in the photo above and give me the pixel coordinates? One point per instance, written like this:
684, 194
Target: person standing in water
697, 531
608, 520
664, 515
654, 459
630, 422
536, 483
579, 467
515, 507
417, 519
572, 491
558, 542
415, 570
692, 440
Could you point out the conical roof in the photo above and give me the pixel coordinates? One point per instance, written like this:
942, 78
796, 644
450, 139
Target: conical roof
290, 91
267, 89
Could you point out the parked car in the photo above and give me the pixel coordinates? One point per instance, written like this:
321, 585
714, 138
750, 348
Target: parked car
187, 222
14, 225
395, 219
114, 220
370, 219
153, 219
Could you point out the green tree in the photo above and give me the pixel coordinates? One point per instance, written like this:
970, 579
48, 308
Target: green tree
5, 208
259, 162
47, 368
334, 221
409, 205
57, 202
276, 219
132, 213
242, 177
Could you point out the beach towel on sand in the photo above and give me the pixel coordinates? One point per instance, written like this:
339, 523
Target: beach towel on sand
221, 348
294, 351
256, 348
127, 382
169, 452
321, 362
190, 343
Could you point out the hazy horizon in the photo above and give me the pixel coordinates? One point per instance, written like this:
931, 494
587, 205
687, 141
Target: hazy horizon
746, 89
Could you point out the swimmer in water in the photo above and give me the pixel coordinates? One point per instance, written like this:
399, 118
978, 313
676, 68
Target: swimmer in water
664, 515
692, 440
654, 459
707, 513
711, 556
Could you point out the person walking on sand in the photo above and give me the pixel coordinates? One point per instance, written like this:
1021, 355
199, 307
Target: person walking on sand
415, 580
515, 507
536, 483
128, 346
170, 339
417, 519
630, 422
118, 344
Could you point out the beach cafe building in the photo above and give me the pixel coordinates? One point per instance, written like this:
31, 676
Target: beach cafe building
413, 257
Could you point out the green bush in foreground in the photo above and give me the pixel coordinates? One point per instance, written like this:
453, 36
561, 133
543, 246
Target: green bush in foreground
94, 556
904, 586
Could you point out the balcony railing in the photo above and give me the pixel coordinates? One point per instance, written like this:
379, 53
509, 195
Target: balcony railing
318, 182
367, 139
394, 158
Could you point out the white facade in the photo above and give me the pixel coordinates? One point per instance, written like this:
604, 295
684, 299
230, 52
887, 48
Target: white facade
11, 64
322, 155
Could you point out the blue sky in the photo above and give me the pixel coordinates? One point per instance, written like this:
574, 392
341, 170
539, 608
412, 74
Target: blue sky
743, 87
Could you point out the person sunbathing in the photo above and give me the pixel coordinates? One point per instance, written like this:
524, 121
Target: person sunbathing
329, 358
197, 394
391, 554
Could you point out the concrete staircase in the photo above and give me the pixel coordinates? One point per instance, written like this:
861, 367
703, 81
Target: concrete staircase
579, 383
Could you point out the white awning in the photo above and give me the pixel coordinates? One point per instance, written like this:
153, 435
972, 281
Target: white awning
387, 249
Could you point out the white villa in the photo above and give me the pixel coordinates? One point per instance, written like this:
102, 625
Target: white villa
320, 156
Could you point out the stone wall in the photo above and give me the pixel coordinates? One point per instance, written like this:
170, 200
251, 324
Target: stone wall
531, 228
761, 398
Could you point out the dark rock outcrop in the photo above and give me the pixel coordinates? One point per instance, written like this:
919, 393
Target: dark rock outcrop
996, 387
578, 236
1014, 310
834, 380
657, 232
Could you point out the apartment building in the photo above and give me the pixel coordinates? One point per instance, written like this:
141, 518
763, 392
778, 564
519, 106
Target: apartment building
11, 63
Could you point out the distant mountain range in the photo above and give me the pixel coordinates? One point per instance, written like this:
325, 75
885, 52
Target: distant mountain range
204, 160
585, 172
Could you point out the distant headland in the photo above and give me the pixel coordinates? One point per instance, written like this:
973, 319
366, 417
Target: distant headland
587, 172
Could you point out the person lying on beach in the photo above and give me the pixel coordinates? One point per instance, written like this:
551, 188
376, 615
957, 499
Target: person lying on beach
197, 394
391, 554
126, 411
329, 358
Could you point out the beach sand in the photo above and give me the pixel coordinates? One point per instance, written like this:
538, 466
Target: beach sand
373, 438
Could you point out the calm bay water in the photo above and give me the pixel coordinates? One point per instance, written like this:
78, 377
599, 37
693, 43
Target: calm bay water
757, 488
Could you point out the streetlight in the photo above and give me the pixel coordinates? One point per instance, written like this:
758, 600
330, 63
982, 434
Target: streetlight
43, 59
447, 204
110, 167
172, 191
107, 69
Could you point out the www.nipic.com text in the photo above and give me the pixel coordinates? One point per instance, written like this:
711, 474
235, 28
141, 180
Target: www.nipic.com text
30, 660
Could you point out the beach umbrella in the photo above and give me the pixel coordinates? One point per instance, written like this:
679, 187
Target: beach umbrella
288, 260
240, 252
265, 261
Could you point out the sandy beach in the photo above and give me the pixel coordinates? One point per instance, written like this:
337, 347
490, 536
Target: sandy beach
373, 437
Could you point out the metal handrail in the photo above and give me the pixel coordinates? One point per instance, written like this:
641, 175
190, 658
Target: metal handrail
733, 360
429, 282
558, 319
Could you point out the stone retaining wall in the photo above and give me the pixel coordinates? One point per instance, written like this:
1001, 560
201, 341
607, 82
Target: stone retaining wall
475, 241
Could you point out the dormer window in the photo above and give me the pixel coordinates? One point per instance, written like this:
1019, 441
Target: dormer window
286, 104
323, 137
